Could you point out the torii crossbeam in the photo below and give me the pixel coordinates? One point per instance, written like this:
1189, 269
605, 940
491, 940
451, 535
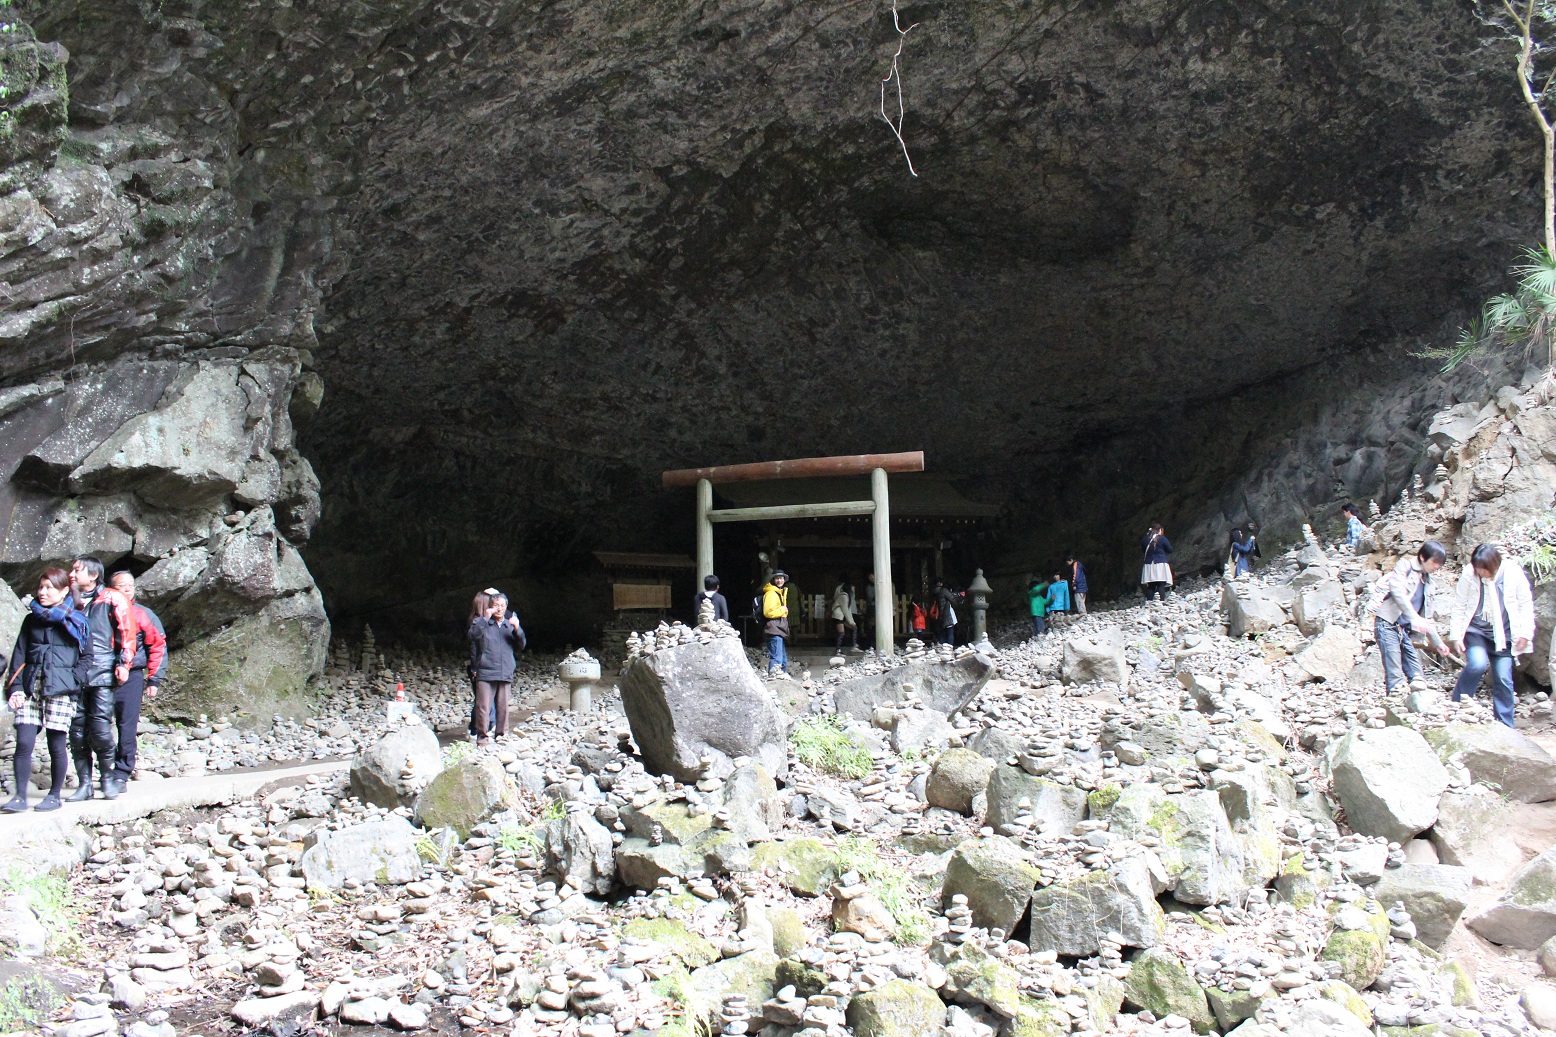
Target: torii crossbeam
878, 507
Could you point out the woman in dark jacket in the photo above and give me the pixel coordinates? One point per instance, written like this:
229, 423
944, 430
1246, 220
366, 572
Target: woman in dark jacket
42, 685
1156, 573
494, 638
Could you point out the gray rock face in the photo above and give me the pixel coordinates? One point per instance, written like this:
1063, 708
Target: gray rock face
1052, 803
1472, 832
835, 807
958, 776
996, 878
1389, 781
376, 851
1071, 917
942, 685
695, 700
1500, 756
1434, 894
1205, 860
1099, 657
579, 848
1331, 656
375, 776
920, 729
1313, 603
1525, 914
1248, 610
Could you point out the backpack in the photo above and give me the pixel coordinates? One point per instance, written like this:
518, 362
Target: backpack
756, 607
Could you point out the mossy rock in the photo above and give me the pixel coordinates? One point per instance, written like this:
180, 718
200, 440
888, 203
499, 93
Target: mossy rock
753, 974
1039, 1019
984, 980
788, 931
1100, 801
466, 794
693, 950
1103, 1002
1231, 1008
896, 1009
807, 866
805, 980
1159, 983
1464, 993
679, 826
1345, 995
1361, 953
927, 842
1299, 884
1255, 733
250, 671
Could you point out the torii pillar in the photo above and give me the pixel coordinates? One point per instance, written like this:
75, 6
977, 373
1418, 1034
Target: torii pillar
878, 507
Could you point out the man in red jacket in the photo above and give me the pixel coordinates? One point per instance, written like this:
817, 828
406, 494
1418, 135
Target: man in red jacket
145, 678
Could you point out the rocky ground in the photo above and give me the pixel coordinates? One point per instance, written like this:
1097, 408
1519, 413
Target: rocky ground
1138, 823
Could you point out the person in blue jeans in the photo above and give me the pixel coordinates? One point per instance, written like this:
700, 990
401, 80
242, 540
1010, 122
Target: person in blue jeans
775, 615
1493, 622
1402, 602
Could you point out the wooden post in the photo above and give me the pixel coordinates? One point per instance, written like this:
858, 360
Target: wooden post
704, 531
798, 468
880, 527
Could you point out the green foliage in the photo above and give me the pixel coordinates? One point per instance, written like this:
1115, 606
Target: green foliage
889, 883
26, 1002
1524, 319
1541, 564
520, 840
821, 744
49, 897
456, 752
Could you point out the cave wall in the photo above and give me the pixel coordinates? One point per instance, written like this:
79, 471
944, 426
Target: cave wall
538, 253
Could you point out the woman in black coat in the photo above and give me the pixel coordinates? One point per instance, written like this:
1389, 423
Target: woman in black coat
42, 685
1156, 572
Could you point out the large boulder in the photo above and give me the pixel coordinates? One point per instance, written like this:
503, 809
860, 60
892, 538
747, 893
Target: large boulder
1202, 856
464, 795
1248, 609
1052, 804
944, 685
1473, 830
1500, 756
1524, 915
378, 773
1159, 983
1071, 917
1096, 657
1312, 605
957, 777
12, 612
1389, 781
896, 1008
1331, 655
695, 701
580, 850
996, 878
383, 852
1434, 894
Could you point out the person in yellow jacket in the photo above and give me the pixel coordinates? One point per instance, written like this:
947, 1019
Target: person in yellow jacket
775, 610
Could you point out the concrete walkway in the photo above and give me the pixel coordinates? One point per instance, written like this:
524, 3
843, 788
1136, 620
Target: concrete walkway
58, 840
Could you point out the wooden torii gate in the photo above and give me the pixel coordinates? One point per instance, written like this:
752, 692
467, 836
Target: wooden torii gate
878, 507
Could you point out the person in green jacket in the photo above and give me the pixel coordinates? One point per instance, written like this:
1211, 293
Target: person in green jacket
1037, 597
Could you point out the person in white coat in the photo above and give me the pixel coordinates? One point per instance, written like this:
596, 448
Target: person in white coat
1493, 623
1404, 602
845, 610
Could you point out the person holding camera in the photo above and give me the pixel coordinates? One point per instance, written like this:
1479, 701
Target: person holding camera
495, 638
42, 686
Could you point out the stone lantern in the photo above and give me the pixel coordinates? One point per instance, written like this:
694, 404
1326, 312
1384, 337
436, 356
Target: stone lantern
579, 671
978, 592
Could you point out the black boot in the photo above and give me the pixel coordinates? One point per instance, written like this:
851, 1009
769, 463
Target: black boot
109, 778
84, 778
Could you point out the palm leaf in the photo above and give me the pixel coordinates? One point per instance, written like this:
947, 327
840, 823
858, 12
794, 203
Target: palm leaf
1537, 275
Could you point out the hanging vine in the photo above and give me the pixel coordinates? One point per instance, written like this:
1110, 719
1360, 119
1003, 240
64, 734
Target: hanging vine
894, 78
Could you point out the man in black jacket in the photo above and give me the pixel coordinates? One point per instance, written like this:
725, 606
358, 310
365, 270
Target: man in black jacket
710, 592
494, 638
105, 664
